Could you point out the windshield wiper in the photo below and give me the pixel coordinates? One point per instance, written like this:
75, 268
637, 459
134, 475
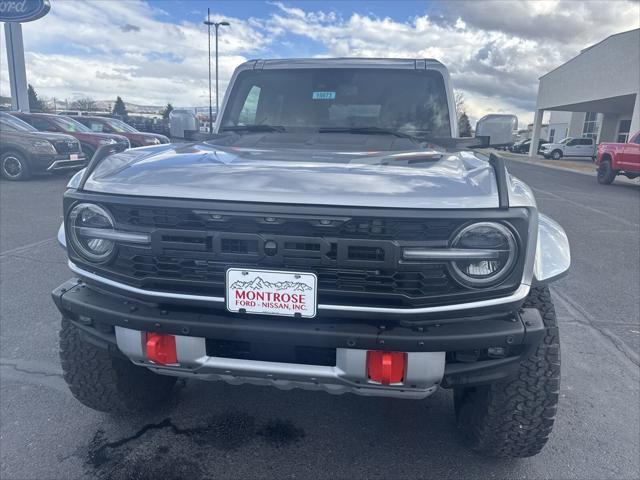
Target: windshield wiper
366, 131
253, 128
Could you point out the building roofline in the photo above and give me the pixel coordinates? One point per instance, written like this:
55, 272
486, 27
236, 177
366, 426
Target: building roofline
584, 50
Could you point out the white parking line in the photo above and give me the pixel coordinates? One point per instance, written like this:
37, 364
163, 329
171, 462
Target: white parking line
24, 248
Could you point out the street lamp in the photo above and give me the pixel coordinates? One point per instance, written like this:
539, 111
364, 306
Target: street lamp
217, 25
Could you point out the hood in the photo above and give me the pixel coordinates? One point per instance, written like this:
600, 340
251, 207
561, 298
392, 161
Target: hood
143, 137
415, 179
52, 137
99, 136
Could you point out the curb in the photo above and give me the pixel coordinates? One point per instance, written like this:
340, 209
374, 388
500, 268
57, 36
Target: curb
620, 179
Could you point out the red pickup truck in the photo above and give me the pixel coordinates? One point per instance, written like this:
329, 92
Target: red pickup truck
618, 159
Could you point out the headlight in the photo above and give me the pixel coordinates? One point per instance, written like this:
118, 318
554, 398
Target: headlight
89, 226
496, 243
107, 141
43, 146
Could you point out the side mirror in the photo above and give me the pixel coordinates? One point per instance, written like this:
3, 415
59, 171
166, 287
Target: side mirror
497, 129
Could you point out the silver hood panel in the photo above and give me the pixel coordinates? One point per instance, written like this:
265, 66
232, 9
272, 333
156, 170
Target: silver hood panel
421, 179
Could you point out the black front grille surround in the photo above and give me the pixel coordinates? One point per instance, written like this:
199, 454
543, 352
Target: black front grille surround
356, 253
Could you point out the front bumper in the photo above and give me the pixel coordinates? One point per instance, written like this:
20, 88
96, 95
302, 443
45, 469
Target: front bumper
438, 353
57, 162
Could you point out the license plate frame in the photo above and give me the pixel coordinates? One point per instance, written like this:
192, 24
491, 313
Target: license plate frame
271, 292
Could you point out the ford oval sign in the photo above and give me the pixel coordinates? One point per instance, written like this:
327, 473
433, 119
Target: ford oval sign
23, 10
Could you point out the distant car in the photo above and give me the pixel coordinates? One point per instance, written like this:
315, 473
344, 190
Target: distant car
24, 150
89, 141
615, 159
113, 125
79, 113
569, 147
523, 146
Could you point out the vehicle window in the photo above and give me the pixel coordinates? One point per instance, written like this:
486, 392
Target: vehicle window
9, 123
572, 143
410, 101
564, 141
69, 124
41, 124
587, 141
119, 126
250, 107
95, 126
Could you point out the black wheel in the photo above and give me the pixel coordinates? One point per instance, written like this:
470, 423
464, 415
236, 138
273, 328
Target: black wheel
606, 173
514, 417
107, 383
556, 154
88, 152
14, 166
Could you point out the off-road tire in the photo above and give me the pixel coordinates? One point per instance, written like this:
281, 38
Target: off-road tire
105, 382
606, 174
14, 166
514, 417
556, 154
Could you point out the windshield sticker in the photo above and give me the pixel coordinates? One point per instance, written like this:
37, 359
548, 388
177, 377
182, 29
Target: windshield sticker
324, 95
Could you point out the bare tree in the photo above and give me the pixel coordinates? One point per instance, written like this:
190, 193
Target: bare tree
86, 104
460, 106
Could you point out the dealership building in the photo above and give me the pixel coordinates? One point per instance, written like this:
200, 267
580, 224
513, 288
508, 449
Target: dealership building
596, 94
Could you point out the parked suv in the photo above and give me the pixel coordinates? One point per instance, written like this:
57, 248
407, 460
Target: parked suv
334, 235
523, 146
89, 141
569, 147
113, 125
619, 159
24, 150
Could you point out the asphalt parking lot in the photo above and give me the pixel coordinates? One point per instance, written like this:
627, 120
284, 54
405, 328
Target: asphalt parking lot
212, 430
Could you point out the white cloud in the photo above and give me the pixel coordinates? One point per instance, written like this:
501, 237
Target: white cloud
118, 48
495, 51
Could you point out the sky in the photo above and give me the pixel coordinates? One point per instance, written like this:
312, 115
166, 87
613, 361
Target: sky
154, 52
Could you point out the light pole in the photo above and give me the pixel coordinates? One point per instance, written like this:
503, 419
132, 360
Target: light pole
217, 25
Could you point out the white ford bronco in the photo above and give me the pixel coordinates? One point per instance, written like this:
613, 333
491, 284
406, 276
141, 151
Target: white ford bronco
333, 235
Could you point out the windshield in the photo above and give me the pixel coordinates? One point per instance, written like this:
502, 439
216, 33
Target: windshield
12, 124
408, 101
565, 140
69, 125
119, 126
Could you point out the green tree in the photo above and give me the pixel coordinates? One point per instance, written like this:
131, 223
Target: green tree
119, 108
167, 110
35, 104
464, 126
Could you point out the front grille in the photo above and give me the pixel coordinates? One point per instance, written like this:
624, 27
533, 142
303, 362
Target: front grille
357, 259
64, 147
195, 274
391, 228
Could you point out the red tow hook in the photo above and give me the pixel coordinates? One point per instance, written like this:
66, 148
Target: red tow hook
386, 368
161, 348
